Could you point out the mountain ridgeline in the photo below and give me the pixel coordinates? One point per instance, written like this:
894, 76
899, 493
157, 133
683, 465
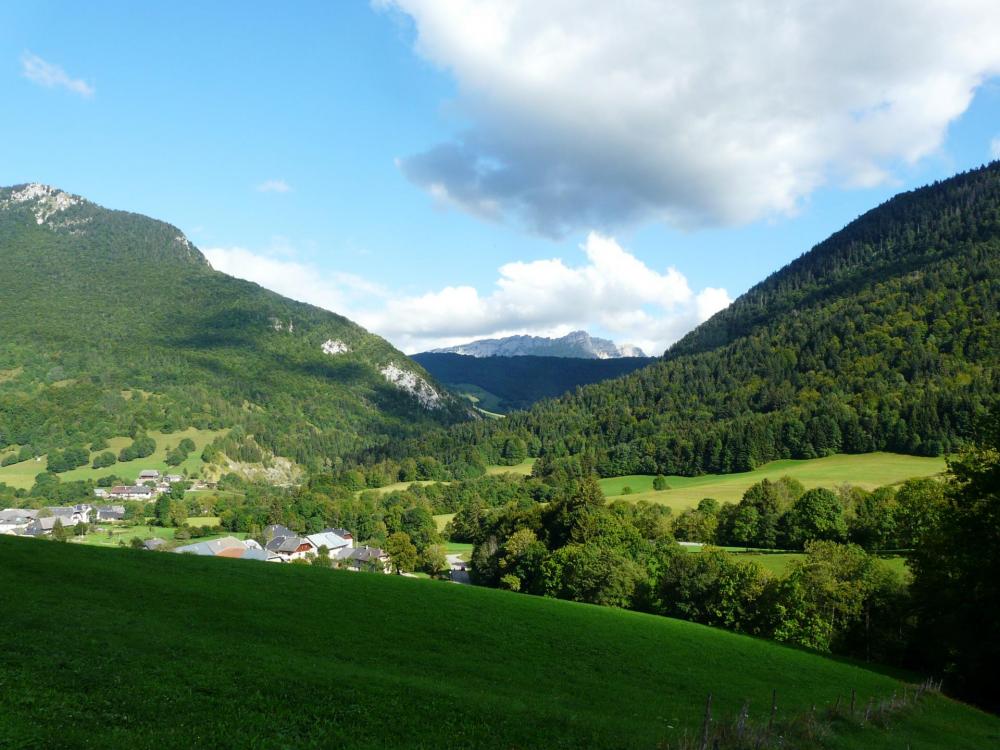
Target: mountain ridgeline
576, 344
517, 382
114, 323
886, 336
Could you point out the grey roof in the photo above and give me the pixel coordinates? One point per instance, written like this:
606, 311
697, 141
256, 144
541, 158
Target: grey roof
329, 539
366, 553
276, 530
345, 533
211, 548
155, 543
17, 515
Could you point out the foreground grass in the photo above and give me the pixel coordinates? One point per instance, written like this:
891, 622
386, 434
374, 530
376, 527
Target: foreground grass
22, 475
866, 470
123, 648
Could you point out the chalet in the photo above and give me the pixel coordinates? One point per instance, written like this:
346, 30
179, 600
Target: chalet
16, 520
44, 526
132, 492
343, 534
100, 492
330, 539
276, 530
110, 512
173, 478
290, 548
148, 475
369, 557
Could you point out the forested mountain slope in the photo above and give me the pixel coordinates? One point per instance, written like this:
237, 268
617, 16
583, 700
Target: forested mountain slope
884, 337
520, 381
114, 323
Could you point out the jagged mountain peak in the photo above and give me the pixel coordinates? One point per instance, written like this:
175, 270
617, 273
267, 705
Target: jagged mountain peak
576, 344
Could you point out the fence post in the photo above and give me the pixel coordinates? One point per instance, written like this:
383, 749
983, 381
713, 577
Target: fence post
742, 721
708, 722
854, 695
774, 708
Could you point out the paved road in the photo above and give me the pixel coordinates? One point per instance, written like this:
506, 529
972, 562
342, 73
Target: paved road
459, 569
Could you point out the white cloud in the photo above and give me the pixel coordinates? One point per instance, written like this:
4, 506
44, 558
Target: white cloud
49, 75
614, 293
995, 148
274, 186
586, 113
337, 291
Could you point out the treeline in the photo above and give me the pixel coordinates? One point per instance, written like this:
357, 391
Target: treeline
840, 597
885, 337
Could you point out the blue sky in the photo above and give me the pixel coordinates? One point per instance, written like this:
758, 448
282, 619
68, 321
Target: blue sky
422, 149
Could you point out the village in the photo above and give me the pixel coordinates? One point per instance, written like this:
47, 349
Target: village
334, 547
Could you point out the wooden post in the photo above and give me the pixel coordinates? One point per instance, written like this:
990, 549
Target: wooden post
708, 722
742, 721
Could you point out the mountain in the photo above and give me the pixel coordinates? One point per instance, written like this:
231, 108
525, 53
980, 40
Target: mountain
578, 344
210, 639
114, 324
886, 336
504, 384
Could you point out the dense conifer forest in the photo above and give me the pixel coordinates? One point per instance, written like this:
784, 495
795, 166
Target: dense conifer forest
883, 337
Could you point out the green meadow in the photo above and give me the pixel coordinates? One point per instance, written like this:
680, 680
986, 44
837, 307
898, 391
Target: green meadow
120, 648
867, 470
22, 475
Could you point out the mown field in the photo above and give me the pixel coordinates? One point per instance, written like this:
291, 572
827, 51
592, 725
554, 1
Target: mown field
867, 470
130, 649
22, 475
116, 534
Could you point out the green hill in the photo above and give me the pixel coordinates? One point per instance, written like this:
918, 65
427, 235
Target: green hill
123, 648
114, 323
518, 382
885, 337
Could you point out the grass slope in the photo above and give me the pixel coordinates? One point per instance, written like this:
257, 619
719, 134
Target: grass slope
867, 470
22, 475
120, 648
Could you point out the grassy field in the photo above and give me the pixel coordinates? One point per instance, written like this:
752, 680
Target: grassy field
22, 475
523, 469
122, 533
441, 520
175, 651
868, 470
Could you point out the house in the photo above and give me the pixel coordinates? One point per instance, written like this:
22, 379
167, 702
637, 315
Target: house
366, 557
227, 546
16, 520
100, 492
110, 512
132, 492
148, 475
330, 539
173, 478
71, 515
276, 530
290, 548
44, 526
154, 544
343, 534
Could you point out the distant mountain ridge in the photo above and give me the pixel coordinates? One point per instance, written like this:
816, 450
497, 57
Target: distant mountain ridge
577, 344
114, 323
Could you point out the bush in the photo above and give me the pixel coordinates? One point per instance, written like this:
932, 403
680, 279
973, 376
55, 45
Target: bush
104, 460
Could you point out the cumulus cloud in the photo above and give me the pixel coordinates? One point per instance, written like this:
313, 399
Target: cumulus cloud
586, 113
49, 75
613, 293
274, 186
337, 292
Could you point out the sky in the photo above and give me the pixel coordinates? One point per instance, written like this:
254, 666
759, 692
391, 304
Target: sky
446, 170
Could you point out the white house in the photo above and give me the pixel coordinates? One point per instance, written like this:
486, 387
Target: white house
132, 492
71, 515
290, 548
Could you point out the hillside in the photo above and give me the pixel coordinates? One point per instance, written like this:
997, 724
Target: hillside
517, 382
115, 324
121, 648
577, 344
884, 337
